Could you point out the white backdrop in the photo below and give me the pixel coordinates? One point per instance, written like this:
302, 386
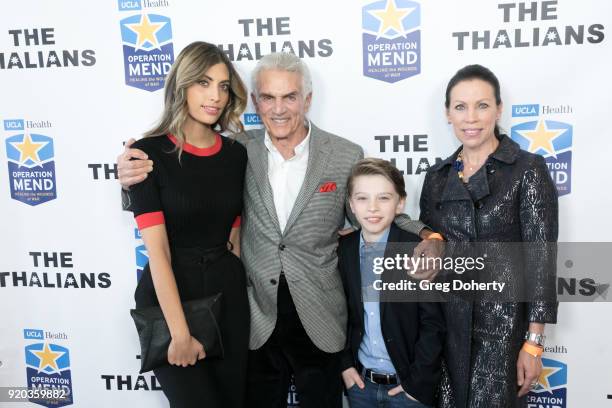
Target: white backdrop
70, 255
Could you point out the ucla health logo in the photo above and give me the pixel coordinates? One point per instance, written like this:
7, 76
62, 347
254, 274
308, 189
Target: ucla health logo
148, 51
547, 134
48, 366
251, 119
551, 390
292, 396
30, 162
391, 40
142, 256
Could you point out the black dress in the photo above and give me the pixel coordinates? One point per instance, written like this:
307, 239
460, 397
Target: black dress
199, 198
510, 199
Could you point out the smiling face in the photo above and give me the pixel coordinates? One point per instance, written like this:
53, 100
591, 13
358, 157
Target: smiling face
207, 98
473, 112
281, 104
375, 203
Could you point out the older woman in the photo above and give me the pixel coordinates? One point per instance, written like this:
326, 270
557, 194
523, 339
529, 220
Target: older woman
490, 191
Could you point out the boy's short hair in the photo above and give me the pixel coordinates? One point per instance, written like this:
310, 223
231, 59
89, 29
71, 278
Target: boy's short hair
377, 167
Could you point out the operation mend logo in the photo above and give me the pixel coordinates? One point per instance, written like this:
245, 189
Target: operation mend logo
31, 164
48, 366
547, 132
391, 40
148, 50
551, 391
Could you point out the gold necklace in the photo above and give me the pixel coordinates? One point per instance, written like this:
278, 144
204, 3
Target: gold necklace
458, 165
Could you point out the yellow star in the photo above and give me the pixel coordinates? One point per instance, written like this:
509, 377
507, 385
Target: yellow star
391, 17
48, 358
29, 149
543, 378
541, 138
146, 31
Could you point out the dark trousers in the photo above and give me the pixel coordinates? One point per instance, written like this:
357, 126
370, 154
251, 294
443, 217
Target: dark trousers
289, 349
211, 382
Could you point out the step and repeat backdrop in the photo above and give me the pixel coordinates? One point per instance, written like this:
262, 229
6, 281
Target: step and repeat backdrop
80, 78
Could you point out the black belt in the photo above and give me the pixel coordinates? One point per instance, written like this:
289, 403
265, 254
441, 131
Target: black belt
377, 378
199, 255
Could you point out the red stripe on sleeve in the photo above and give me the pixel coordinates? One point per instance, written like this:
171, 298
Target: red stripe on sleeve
149, 219
236, 223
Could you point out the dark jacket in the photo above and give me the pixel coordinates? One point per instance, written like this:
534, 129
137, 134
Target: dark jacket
513, 199
413, 331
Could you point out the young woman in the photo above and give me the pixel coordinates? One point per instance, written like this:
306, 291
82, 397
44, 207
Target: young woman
490, 191
188, 210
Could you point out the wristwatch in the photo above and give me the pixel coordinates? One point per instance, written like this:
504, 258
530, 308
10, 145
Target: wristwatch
537, 338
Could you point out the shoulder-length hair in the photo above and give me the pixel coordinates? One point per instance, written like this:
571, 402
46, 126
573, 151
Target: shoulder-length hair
189, 68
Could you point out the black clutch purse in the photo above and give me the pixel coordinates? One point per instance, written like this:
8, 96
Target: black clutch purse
201, 315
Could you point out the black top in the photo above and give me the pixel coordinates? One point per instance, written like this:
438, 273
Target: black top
198, 198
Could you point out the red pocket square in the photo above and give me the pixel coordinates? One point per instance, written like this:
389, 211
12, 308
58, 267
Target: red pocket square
328, 187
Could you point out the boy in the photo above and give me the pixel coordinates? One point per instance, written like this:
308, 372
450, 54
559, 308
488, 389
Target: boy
393, 352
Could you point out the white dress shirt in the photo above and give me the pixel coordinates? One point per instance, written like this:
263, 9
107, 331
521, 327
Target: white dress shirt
286, 176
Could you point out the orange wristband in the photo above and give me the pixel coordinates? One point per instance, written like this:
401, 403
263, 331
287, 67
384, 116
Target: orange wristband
532, 350
435, 235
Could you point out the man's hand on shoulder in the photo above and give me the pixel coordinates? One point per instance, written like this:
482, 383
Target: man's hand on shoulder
133, 166
345, 231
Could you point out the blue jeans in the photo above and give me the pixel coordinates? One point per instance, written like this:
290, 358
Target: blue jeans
376, 396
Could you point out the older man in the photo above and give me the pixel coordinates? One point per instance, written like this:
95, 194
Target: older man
294, 207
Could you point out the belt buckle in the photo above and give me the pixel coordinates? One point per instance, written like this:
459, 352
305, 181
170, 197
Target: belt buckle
370, 376
379, 380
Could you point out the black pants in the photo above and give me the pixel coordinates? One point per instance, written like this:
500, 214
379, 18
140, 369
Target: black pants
290, 350
215, 382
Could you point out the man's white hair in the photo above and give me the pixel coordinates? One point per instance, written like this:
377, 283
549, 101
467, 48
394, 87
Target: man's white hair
282, 61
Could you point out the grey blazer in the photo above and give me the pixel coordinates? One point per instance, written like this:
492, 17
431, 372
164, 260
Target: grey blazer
306, 249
